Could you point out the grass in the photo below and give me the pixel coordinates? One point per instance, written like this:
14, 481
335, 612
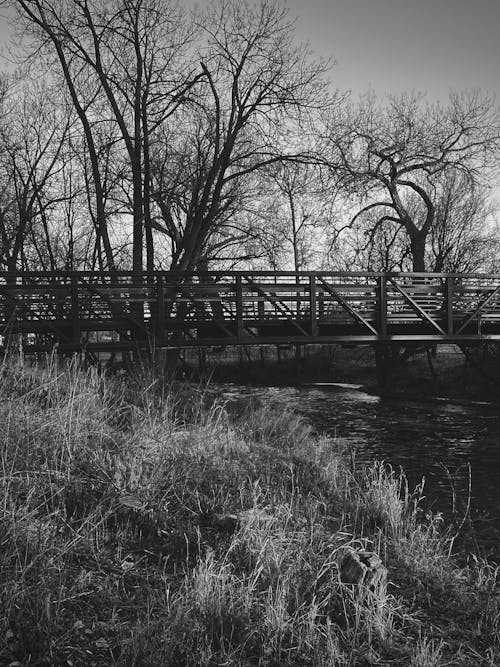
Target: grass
143, 524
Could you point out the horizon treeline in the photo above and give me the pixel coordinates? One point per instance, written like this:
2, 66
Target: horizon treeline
138, 135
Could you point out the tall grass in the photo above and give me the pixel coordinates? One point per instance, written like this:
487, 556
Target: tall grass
143, 524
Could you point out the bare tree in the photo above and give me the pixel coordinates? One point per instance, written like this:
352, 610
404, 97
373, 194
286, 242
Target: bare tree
392, 158
254, 104
123, 62
366, 246
177, 115
32, 137
463, 237
305, 207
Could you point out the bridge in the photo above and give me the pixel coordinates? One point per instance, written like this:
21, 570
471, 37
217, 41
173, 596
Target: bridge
94, 312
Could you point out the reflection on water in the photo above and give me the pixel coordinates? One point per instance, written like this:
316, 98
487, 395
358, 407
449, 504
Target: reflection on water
450, 445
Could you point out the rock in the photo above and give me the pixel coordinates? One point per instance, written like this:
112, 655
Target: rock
363, 568
254, 516
132, 501
228, 523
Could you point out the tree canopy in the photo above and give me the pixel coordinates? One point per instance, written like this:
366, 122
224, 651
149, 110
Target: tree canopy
136, 134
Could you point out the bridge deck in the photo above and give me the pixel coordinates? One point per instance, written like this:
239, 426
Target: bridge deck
120, 311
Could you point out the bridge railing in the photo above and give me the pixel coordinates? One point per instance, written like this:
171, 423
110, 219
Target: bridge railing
87, 309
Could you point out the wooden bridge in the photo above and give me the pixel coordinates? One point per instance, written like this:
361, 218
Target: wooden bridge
125, 311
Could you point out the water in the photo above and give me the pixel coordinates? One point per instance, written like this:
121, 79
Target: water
456, 448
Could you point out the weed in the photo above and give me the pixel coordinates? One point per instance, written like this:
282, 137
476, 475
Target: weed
144, 524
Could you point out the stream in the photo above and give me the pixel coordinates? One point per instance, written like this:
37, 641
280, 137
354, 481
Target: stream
455, 447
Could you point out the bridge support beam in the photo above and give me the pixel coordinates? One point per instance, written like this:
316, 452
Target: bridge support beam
384, 363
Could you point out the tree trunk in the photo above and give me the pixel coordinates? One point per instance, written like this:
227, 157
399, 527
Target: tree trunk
417, 244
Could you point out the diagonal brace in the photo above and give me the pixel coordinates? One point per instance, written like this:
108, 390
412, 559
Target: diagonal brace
211, 316
478, 310
347, 306
113, 305
283, 309
416, 307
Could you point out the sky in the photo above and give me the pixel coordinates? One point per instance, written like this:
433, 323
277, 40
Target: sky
391, 46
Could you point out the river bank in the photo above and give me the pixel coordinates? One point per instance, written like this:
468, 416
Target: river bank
144, 524
452, 444
447, 373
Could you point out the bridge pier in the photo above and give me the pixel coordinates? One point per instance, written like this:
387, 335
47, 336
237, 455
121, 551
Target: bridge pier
385, 363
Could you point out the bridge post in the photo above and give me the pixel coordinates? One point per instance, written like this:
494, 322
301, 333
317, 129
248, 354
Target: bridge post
160, 309
260, 309
239, 307
10, 315
449, 305
75, 312
382, 355
313, 305
382, 305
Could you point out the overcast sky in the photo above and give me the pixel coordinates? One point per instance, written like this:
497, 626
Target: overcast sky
395, 45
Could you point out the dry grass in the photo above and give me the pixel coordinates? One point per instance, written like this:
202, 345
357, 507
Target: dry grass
113, 551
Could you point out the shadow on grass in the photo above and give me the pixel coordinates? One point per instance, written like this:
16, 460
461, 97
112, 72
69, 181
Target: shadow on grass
141, 524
